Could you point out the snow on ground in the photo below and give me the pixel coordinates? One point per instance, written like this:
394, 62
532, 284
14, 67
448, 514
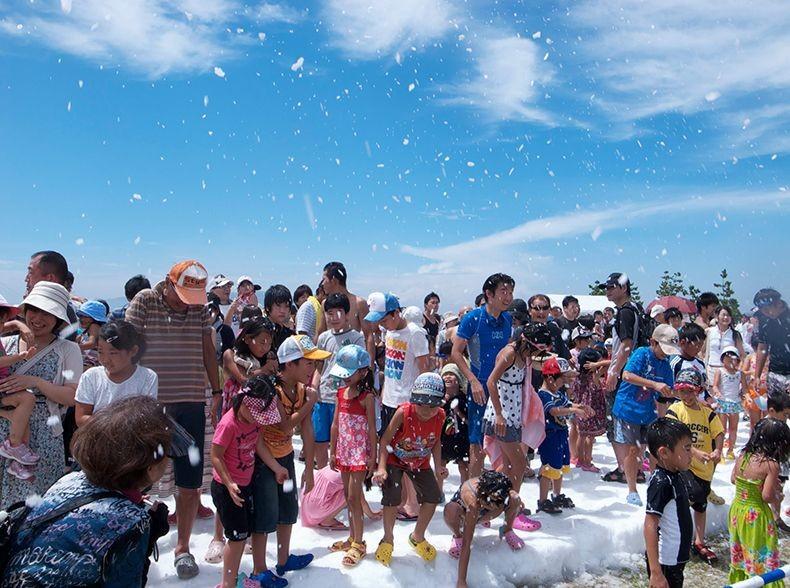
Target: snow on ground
602, 532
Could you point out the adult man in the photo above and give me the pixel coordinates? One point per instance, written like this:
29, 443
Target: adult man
706, 309
484, 331
570, 317
773, 339
177, 326
334, 281
221, 287
133, 285
539, 307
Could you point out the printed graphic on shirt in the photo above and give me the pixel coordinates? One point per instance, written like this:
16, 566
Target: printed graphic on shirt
395, 358
408, 449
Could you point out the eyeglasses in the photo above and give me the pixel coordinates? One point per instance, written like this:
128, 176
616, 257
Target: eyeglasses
541, 308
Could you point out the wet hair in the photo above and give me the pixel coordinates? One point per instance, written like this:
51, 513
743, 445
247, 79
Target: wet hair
766, 296
445, 349
480, 299
531, 335
672, 312
336, 271
134, 285
52, 262
123, 335
667, 433
568, 300
303, 290
691, 332
430, 296
494, 281
277, 294
252, 329
587, 321
117, 445
770, 440
706, 299
68, 283
778, 401
337, 300
588, 355
493, 487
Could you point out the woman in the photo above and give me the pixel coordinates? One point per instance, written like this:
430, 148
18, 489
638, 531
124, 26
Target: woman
107, 533
719, 336
52, 375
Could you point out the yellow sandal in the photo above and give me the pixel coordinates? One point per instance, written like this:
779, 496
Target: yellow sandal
355, 554
384, 553
424, 549
343, 545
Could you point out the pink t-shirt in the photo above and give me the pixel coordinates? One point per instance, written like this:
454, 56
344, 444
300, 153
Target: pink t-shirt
239, 441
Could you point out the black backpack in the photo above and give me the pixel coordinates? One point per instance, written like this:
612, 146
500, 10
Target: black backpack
15, 521
643, 324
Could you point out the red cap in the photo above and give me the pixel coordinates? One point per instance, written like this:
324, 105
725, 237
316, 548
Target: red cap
551, 367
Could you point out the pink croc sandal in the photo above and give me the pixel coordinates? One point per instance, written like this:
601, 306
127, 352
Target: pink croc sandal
455, 547
524, 523
513, 541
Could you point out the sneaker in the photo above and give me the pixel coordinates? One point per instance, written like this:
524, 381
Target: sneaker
562, 501
633, 498
20, 471
267, 579
293, 563
21, 453
548, 507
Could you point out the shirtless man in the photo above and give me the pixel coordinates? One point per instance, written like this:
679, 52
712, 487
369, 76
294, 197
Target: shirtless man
334, 281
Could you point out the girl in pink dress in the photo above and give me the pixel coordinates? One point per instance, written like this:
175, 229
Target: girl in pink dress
352, 445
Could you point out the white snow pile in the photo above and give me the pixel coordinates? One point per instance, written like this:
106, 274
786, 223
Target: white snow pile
602, 532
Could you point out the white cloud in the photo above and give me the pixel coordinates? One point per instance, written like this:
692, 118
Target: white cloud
509, 75
367, 29
656, 57
278, 13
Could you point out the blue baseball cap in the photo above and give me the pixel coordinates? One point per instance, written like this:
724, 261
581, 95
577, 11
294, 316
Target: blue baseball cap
348, 360
381, 304
93, 309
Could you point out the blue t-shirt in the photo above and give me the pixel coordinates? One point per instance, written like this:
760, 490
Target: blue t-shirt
556, 400
486, 336
634, 404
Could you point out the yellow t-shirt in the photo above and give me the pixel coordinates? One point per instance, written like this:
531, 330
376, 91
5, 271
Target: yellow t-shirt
705, 427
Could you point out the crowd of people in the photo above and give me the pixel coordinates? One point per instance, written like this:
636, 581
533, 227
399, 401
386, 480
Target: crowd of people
97, 402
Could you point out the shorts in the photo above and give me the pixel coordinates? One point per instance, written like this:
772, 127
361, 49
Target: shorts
274, 506
698, 490
555, 451
609, 418
424, 481
627, 433
474, 416
387, 412
727, 407
512, 434
323, 414
777, 383
191, 416
237, 520
673, 574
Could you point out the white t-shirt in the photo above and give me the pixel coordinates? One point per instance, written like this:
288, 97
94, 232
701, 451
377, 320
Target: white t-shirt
717, 341
403, 347
97, 389
331, 342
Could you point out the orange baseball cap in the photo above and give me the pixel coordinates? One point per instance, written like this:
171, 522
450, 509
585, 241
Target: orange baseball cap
190, 278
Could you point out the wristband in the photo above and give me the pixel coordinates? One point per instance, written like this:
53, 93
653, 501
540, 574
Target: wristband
216, 392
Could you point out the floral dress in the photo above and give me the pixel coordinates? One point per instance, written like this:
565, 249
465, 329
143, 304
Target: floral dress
353, 443
754, 545
585, 391
42, 440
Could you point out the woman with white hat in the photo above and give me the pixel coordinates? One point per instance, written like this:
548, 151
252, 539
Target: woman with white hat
51, 374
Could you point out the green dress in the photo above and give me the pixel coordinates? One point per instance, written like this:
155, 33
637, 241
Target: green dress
754, 545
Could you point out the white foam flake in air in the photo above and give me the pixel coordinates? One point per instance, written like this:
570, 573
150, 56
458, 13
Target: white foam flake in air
33, 501
65, 6
137, 240
79, 241
219, 72
261, 37
412, 86
288, 486
298, 64
712, 96
536, 35
597, 231
194, 455
205, 101
136, 196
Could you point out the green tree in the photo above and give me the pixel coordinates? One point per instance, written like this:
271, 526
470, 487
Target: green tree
597, 289
671, 285
726, 295
693, 292
635, 295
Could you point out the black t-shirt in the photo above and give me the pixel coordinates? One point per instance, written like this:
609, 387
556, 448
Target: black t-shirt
558, 344
566, 327
431, 328
281, 333
626, 321
667, 497
775, 335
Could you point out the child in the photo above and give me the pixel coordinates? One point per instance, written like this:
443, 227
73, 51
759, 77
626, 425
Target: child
92, 315
707, 438
248, 355
455, 432
353, 440
554, 451
406, 447
778, 407
233, 460
17, 408
756, 398
338, 334
729, 383
588, 390
646, 374
668, 528
275, 508
480, 500
119, 376
754, 543
691, 340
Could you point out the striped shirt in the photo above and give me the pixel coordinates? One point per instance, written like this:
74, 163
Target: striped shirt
175, 344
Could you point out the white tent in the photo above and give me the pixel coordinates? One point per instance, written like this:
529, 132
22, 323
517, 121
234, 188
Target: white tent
588, 304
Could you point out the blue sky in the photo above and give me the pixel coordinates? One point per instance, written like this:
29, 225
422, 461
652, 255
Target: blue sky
425, 144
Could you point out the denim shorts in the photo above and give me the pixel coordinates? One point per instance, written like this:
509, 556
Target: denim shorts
474, 415
323, 413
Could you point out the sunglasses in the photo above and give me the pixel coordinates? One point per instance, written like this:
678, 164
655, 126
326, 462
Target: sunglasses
542, 308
